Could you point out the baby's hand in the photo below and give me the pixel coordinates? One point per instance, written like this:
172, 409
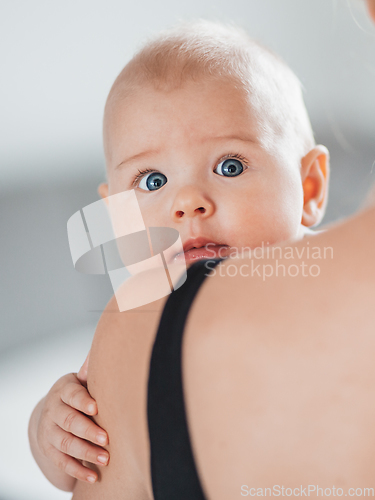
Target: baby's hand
65, 433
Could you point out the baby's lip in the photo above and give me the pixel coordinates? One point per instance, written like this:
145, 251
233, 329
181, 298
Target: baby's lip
199, 248
199, 243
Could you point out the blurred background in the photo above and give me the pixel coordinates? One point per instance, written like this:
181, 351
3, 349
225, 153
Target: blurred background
58, 61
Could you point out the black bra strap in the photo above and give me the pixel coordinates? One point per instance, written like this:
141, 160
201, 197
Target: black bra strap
173, 471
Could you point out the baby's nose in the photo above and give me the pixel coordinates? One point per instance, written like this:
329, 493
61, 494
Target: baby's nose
191, 202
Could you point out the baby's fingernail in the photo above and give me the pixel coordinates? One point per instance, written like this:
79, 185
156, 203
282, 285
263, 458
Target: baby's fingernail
92, 479
103, 459
91, 408
102, 438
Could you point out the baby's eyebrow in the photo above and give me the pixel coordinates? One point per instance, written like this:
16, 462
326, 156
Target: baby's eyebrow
151, 152
235, 137
238, 137
138, 156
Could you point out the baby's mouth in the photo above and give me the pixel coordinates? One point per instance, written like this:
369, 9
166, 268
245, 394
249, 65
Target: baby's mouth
201, 248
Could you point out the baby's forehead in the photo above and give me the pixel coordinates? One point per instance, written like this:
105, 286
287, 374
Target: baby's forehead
256, 99
242, 111
270, 92
200, 49
207, 104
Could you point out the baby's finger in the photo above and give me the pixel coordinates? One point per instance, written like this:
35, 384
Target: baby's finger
76, 396
72, 466
78, 448
81, 426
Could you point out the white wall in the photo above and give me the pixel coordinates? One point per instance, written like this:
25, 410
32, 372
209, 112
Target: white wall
59, 58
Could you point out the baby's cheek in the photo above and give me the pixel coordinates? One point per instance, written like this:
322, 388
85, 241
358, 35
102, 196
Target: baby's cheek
281, 217
288, 214
155, 214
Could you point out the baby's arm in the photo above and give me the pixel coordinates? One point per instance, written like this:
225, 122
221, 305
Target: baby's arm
60, 435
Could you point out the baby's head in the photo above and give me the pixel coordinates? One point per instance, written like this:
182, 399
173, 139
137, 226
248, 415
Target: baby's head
210, 130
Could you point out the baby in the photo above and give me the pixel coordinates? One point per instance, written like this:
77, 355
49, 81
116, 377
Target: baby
210, 130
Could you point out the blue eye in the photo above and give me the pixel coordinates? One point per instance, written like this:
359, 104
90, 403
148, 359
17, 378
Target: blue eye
230, 167
153, 181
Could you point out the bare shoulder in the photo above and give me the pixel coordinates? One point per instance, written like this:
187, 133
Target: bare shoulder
278, 371
117, 380
128, 324
117, 329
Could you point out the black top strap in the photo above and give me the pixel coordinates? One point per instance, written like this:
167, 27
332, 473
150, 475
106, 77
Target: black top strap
173, 471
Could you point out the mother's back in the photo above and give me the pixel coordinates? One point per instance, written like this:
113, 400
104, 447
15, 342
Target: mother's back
278, 377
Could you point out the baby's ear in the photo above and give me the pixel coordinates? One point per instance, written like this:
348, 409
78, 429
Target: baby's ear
315, 178
103, 191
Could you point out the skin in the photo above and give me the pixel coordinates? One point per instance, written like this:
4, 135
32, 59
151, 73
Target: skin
59, 430
282, 195
285, 398
77, 397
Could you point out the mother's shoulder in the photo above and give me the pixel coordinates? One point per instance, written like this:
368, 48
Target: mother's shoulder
135, 306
